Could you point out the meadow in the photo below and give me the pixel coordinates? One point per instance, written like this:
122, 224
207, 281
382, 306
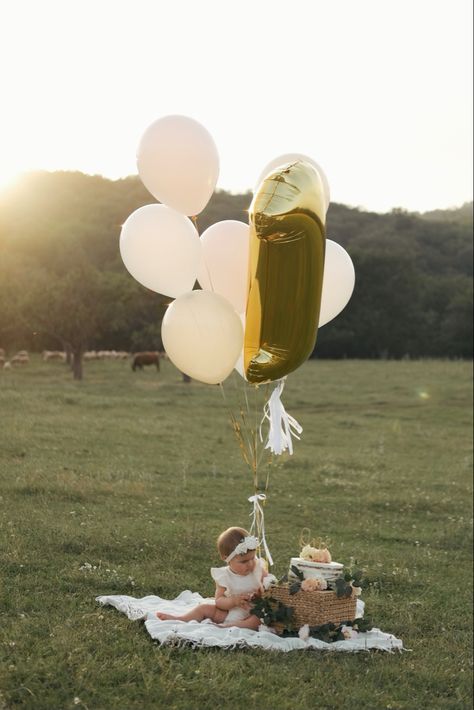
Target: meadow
120, 485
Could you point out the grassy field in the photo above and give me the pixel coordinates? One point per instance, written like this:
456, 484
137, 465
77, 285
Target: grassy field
137, 473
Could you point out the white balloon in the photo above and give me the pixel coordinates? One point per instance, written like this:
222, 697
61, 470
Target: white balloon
178, 163
239, 365
290, 158
203, 336
161, 249
338, 282
225, 258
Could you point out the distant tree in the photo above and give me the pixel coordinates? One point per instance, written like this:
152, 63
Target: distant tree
13, 327
223, 205
73, 308
382, 319
144, 311
461, 215
456, 324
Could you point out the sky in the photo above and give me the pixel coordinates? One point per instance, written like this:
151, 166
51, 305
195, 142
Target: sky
377, 92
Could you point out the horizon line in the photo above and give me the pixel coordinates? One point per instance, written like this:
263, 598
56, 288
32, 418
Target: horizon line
16, 179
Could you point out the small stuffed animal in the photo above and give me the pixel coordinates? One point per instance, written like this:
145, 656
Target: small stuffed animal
314, 554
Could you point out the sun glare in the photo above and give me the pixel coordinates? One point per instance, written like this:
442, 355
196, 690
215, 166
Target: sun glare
8, 177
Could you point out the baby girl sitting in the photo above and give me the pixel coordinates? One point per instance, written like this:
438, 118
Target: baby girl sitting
236, 584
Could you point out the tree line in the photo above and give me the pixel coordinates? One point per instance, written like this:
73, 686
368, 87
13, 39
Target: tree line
63, 284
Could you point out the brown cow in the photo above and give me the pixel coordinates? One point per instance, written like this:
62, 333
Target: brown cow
149, 358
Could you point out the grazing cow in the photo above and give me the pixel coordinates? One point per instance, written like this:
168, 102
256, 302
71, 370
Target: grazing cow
141, 359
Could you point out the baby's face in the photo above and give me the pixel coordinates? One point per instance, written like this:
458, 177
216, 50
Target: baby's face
243, 564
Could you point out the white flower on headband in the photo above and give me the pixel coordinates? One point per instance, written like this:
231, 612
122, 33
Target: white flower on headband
248, 543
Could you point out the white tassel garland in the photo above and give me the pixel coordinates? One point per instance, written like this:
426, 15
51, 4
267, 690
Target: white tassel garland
282, 426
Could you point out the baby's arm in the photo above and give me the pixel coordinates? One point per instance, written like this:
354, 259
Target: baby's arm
265, 573
227, 603
267, 578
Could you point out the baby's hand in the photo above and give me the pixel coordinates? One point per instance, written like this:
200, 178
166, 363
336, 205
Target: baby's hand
242, 600
256, 594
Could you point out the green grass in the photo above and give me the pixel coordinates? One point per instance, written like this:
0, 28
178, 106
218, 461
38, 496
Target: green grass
137, 473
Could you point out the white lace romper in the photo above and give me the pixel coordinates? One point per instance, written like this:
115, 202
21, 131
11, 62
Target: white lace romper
238, 584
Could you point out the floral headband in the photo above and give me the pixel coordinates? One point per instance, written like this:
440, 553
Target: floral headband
248, 543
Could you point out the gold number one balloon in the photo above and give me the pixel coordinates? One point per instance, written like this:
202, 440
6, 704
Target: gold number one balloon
287, 245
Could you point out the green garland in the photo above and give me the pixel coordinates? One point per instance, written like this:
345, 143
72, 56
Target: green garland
270, 611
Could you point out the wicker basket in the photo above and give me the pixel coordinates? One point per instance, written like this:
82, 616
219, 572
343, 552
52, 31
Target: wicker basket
314, 608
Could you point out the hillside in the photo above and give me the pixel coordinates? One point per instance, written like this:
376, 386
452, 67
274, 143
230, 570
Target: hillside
413, 291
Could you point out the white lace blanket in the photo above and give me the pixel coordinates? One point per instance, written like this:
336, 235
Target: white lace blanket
208, 634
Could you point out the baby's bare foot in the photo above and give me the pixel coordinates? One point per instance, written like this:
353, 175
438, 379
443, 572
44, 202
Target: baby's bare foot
164, 617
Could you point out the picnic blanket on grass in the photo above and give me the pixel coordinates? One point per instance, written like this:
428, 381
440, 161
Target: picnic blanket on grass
207, 634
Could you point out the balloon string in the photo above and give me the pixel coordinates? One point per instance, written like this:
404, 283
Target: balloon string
258, 523
248, 439
239, 431
195, 222
282, 426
